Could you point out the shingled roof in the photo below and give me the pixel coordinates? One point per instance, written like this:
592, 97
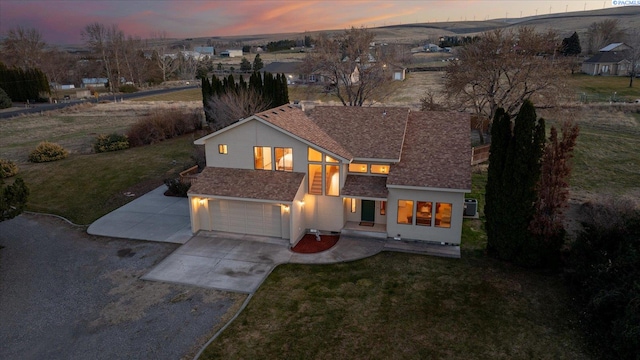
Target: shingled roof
366, 132
436, 152
365, 186
249, 184
294, 121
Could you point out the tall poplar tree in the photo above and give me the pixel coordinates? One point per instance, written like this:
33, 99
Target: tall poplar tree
514, 171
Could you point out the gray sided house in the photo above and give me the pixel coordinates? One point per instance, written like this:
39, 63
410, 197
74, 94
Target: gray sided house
385, 172
612, 59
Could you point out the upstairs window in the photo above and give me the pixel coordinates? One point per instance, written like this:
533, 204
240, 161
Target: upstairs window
358, 168
379, 169
222, 149
262, 158
313, 155
284, 159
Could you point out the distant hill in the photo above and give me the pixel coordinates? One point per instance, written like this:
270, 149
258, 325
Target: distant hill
417, 33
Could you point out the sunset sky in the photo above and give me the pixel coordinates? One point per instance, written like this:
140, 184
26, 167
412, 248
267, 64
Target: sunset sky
62, 21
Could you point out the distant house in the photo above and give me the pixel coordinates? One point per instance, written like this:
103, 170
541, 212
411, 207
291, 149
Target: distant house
432, 48
398, 73
231, 53
86, 82
204, 50
610, 60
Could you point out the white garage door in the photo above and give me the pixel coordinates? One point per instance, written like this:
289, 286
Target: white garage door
246, 217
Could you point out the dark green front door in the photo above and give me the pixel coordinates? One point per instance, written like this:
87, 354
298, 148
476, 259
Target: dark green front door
368, 210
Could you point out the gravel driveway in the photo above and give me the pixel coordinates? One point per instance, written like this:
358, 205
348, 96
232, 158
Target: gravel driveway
68, 295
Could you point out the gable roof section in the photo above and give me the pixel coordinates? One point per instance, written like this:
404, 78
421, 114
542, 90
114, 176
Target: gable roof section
608, 57
366, 132
247, 184
436, 152
614, 46
294, 121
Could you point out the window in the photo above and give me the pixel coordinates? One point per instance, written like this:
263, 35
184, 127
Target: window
443, 215
405, 212
358, 168
222, 148
329, 159
262, 158
383, 208
379, 169
323, 179
315, 179
332, 183
353, 205
423, 213
284, 159
314, 155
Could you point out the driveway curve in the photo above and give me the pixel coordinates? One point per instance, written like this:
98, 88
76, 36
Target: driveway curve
69, 295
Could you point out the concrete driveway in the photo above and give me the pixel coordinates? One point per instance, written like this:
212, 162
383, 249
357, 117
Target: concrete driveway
225, 261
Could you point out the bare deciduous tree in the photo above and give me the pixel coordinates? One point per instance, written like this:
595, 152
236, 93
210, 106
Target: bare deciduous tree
603, 33
349, 65
232, 106
502, 70
163, 56
57, 66
633, 54
23, 47
97, 37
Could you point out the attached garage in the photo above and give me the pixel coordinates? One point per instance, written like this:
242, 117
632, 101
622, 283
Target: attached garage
246, 217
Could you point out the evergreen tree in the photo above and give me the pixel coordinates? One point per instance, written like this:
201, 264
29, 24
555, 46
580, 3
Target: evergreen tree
257, 63
245, 65
13, 199
511, 195
571, 45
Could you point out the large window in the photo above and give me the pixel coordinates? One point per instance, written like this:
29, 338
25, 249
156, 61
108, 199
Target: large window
379, 169
315, 179
262, 158
314, 155
284, 159
324, 177
405, 212
443, 215
423, 213
332, 182
358, 168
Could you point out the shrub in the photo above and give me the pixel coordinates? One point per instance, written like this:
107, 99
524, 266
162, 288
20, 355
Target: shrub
5, 100
603, 272
7, 168
128, 88
111, 142
46, 151
176, 187
163, 125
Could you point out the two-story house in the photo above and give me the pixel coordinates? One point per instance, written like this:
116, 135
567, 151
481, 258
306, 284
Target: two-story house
387, 171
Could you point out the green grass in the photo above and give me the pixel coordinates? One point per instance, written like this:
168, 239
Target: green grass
604, 88
401, 306
606, 155
83, 188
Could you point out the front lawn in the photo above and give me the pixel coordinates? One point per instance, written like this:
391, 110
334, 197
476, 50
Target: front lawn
402, 306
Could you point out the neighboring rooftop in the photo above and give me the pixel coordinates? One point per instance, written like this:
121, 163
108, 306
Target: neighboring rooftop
613, 46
